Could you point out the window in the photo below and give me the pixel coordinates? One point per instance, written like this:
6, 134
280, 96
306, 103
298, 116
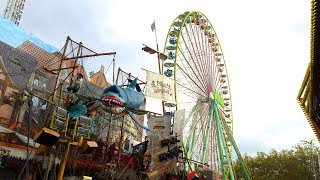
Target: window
63, 74
35, 101
36, 82
40, 73
99, 81
44, 86
15, 61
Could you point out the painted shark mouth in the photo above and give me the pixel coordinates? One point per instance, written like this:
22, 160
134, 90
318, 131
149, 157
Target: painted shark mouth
112, 104
112, 101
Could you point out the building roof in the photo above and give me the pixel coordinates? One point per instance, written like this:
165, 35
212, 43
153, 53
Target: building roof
3, 70
43, 57
18, 65
49, 60
99, 78
309, 94
79, 69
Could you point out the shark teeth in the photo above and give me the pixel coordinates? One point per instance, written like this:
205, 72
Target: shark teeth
112, 101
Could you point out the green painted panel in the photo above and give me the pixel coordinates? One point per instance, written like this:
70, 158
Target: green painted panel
218, 97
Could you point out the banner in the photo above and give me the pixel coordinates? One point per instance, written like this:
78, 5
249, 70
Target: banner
159, 125
179, 116
160, 87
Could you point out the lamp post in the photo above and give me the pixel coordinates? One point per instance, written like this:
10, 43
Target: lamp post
162, 57
311, 144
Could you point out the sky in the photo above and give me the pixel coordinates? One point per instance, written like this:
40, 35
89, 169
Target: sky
266, 45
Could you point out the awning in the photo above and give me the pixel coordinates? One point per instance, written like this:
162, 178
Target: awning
23, 138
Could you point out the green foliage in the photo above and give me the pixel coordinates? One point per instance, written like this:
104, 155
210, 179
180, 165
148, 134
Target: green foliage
293, 164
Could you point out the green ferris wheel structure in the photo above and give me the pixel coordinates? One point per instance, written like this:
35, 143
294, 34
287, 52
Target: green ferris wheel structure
196, 63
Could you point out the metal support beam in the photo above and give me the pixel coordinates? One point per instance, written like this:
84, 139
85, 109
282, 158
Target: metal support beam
223, 141
233, 143
91, 55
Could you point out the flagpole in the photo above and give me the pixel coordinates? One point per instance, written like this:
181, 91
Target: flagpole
155, 34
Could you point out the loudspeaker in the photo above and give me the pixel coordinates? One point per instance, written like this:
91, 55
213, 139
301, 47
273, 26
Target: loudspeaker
164, 157
165, 143
47, 137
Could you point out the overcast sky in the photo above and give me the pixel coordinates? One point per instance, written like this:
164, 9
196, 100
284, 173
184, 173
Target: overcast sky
265, 45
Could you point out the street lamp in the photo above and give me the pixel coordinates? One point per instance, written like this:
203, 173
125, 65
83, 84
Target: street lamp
311, 144
152, 51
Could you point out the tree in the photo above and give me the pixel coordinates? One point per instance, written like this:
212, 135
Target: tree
295, 163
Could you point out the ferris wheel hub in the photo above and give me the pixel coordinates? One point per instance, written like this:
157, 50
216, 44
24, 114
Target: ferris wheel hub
211, 96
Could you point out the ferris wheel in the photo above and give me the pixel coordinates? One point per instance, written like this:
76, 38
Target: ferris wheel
196, 63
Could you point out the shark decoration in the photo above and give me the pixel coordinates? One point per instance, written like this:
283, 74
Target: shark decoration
76, 108
115, 100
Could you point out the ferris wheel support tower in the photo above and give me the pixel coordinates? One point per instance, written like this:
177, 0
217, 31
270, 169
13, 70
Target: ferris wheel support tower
14, 10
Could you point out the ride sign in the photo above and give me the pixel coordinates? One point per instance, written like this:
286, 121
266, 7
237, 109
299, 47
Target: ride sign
160, 87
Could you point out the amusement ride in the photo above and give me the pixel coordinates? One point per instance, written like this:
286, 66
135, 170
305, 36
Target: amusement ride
197, 65
193, 86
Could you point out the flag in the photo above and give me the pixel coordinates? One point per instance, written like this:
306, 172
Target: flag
191, 175
153, 26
